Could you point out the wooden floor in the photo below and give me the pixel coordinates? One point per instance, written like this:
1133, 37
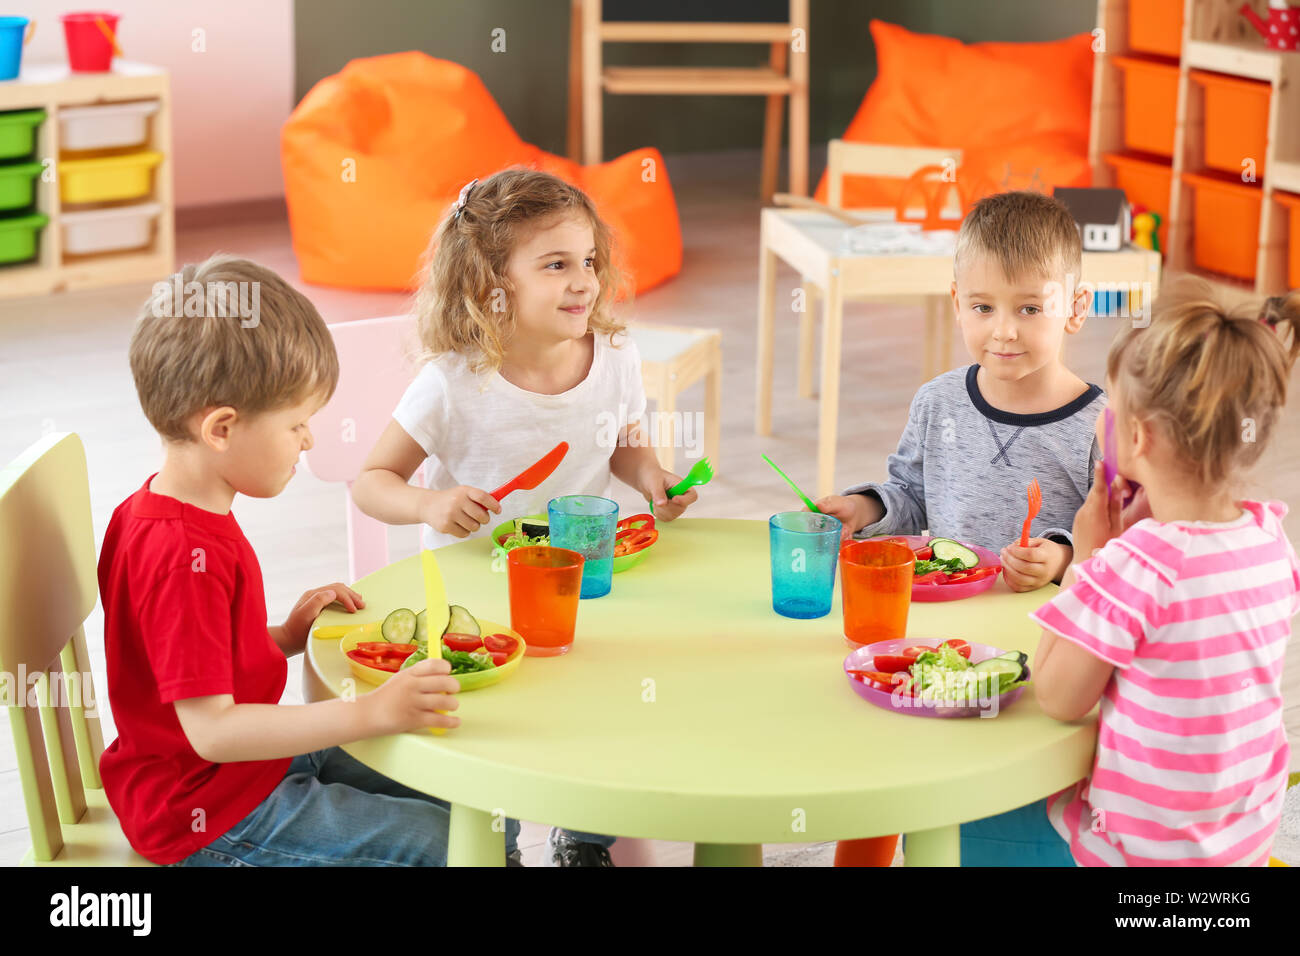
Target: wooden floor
63, 365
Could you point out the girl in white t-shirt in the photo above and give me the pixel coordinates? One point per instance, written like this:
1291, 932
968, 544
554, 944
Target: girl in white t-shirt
523, 353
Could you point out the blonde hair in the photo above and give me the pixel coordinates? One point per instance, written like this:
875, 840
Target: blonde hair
227, 332
1201, 371
464, 304
1027, 233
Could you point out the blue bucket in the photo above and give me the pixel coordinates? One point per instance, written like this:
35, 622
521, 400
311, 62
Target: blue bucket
14, 35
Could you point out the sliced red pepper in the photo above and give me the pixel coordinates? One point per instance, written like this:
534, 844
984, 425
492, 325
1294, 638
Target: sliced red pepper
934, 577
385, 648
378, 663
631, 540
643, 520
971, 574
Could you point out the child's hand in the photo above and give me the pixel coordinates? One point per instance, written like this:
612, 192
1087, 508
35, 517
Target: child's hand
411, 699
655, 484
1100, 518
1029, 568
459, 511
854, 511
312, 603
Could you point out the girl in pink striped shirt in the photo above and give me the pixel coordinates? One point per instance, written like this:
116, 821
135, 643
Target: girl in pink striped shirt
1177, 613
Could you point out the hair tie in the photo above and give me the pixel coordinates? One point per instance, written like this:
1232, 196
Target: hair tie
463, 197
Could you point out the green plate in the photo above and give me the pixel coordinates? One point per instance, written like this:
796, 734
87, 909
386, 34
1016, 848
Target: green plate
624, 563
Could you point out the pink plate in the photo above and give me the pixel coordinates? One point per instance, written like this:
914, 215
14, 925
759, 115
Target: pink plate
951, 592
863, 660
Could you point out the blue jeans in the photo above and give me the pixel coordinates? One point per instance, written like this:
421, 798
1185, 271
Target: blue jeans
332, 810
1021, 837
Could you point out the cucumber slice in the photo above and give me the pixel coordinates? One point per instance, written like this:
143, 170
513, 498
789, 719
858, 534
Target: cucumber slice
462, 622
399, 626
422, 627
534, 527
1013, 664
945, 549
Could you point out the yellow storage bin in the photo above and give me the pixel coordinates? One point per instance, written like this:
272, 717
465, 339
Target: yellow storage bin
107, 178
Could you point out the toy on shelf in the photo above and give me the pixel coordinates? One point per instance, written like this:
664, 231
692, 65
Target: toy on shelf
1281, 31
1102, 214
1145, 226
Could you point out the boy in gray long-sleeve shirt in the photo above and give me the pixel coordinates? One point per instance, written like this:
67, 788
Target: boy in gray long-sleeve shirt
975, 437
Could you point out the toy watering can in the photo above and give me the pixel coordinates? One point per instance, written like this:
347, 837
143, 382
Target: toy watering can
1281, 31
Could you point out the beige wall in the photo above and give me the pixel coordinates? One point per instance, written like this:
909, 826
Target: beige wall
228, 102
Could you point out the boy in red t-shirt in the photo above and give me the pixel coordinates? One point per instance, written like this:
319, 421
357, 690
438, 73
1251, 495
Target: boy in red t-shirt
208, 768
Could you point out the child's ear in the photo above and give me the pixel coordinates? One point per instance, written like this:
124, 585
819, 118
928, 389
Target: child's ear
956, 310
215, 428
1082, 302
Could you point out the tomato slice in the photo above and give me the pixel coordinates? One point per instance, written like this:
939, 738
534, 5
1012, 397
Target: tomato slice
924, 554
892, 663
499, 657
961, 647
462, 642
500, 642
916, 650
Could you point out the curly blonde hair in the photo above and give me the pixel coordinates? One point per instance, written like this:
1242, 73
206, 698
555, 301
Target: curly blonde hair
1204, 374
465, 275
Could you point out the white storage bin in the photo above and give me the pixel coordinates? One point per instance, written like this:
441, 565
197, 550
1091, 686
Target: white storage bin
107, 230
107, 126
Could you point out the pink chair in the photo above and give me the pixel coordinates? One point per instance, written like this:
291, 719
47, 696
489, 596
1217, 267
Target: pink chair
375, 366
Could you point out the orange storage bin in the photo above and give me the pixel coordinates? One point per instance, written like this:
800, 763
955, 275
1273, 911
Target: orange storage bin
1146, 182
1150, 104
1226, 219
1236, 121
1291, 202
1156, 26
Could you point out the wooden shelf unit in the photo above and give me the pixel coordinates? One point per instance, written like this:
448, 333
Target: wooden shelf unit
51, 87
1218, 39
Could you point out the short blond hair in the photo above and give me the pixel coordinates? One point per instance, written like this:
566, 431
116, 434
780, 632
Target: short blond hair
464, 305
227, 332
1027, 233
1204, 373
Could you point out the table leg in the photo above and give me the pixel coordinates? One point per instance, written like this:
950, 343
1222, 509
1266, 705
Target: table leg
807, 338
472, 839
728, 854
832, 334
938, 847
713, 404
766, 332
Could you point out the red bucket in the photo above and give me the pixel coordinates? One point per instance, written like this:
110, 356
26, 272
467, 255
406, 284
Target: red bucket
92, 40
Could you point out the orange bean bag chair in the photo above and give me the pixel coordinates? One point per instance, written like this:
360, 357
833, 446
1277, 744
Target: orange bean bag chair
374, 156
1020, 112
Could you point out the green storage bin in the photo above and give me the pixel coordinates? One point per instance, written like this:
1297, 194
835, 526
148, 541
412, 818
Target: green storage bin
20, 235
18, 133
18, 185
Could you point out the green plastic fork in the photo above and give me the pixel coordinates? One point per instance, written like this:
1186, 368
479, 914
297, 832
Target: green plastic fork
701, 473
806, 500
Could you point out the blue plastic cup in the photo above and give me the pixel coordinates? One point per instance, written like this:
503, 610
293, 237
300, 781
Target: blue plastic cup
587, 524
13, 37
805, 553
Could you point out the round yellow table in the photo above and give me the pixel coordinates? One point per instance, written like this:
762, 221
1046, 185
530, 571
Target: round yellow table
688, 710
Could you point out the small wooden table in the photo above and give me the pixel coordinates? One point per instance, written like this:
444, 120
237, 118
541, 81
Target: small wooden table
688, 710
812, 242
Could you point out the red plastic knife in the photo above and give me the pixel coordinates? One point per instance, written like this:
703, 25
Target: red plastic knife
534, 475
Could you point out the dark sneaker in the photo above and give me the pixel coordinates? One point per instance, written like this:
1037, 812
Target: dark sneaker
515, 859
563, 850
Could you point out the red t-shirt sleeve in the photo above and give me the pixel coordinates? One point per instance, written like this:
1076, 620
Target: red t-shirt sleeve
188, 634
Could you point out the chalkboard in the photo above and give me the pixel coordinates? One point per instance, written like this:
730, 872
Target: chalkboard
710, 11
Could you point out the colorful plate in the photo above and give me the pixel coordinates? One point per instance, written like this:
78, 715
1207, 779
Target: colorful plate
626, 562
475, 681
862, 660
950, 592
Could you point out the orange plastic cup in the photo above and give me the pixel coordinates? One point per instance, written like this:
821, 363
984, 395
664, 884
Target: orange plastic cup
876, 580
545, 584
